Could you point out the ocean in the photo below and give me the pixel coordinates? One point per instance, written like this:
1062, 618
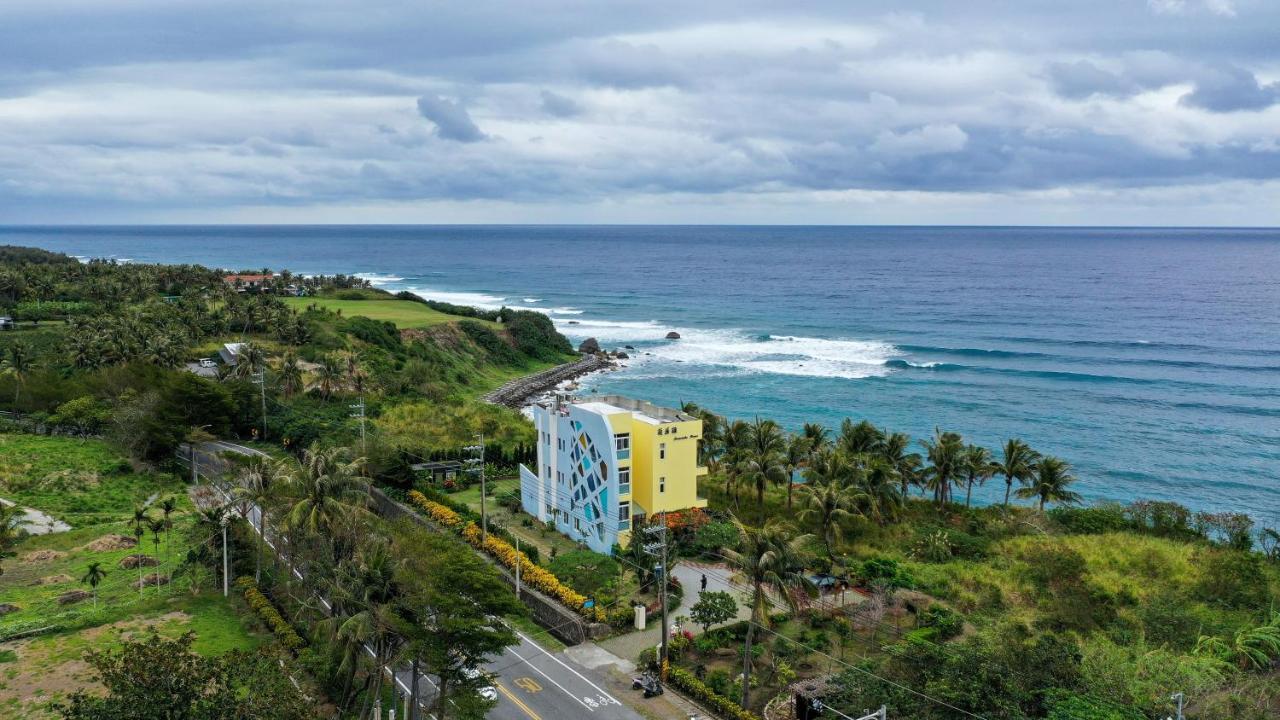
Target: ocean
1148, 358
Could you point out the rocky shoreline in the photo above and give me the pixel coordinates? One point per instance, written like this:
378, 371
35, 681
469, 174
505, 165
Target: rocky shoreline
519, 392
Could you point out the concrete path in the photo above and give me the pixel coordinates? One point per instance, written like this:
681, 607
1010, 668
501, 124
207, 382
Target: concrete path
36, 522
690, 574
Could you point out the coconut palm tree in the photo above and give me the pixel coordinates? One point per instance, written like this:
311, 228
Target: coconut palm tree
829, 496
737, 438
18, 362
1015, 464
977, 468
249, 360
860, 438
1255, 648
290, 379
328, 491
93, 576
905, 464
1049, 482
766, 456
365, 595
257, 486
878, 482
945, 452
138, 534
772, 559
818, 436
329, 376
797, 455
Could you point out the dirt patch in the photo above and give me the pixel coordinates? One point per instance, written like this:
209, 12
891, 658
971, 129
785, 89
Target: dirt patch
73, 596
7, 608
110, 542
54, 579
131, 562
152, 579
39, 556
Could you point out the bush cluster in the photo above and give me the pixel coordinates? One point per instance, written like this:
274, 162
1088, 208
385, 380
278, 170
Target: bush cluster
531, 574
698, 690
284, 632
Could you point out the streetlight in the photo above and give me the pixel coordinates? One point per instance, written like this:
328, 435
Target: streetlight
226, 568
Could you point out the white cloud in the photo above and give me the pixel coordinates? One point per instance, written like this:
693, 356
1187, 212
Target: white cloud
926, 140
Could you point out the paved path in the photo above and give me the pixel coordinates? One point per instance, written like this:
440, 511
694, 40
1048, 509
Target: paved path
531, 682
690, 574
36, 522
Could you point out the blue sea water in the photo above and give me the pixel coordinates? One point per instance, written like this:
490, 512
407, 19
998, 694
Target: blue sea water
1149, 358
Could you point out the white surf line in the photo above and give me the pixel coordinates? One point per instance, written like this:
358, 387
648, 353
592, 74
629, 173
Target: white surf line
553, 680
543, 650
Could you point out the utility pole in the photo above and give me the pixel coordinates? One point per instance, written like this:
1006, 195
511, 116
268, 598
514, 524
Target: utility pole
659, 550
518, 564
359, 413
226, 567
476, 463
260, 379
1179, 697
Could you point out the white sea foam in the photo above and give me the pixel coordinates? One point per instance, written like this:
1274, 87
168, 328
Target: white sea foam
379, 278
733, 351
532, 300
483, 301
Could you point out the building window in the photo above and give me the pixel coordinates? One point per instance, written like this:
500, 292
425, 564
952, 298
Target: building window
624, 481
662, 483
547, 471
624, 516
622, 444
662, 451
559, 477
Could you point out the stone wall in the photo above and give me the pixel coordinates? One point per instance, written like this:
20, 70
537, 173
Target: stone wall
516, 392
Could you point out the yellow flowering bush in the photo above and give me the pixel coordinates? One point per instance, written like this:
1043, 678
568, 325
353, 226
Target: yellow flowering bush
284, 632
434, 510
531, 574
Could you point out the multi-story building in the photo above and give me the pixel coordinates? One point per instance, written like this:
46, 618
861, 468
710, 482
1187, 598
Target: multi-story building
606, 463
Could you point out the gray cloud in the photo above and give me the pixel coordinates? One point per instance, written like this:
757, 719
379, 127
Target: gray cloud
452, 120
559, 105
1230, 88
734, 101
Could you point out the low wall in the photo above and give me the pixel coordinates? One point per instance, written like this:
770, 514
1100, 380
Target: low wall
559, 620
516, 392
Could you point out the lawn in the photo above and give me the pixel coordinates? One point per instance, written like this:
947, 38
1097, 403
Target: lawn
406, 314
82, 482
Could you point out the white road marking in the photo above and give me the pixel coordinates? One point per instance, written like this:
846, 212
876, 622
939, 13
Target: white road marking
599, 689
553, 680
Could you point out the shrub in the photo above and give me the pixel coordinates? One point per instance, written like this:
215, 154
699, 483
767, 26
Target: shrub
945, 621
703, 694
887, 570
260, 604
1107, 517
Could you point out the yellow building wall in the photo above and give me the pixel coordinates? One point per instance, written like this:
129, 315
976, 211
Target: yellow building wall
679, 467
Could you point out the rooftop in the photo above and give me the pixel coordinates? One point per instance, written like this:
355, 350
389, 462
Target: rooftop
641, 409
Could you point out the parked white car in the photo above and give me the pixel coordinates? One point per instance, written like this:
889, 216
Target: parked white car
207, 363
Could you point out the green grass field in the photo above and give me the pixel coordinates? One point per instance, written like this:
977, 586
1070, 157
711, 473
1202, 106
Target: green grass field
406, 314
92, 486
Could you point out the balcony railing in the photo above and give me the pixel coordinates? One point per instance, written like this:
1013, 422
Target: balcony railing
624, 488
624, 525
624, 454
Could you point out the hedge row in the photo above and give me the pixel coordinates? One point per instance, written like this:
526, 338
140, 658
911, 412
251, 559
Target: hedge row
284, 632
531, 574
698, 690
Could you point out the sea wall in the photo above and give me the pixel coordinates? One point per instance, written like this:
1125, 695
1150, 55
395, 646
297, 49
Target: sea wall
515, 393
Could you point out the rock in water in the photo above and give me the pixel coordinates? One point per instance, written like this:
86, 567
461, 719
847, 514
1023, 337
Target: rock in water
673, 335
590, 346
621, 355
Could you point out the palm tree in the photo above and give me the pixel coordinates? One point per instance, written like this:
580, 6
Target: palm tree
1251, 649
906, 465
329, 376
138, 534
861, 438
765, 458
978, 467
817, 435
168, 506
93, 576
1049, 483
18, 363
772, 559
291, 380
248, 361
829, 496
1016, 464
797, 455
255, 486
329, 492
737, 437
946, 461
365, 595
878, 481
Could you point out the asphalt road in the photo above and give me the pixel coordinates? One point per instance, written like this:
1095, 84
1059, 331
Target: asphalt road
532, 683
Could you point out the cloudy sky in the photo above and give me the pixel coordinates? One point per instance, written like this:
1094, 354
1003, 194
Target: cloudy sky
1029, 112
